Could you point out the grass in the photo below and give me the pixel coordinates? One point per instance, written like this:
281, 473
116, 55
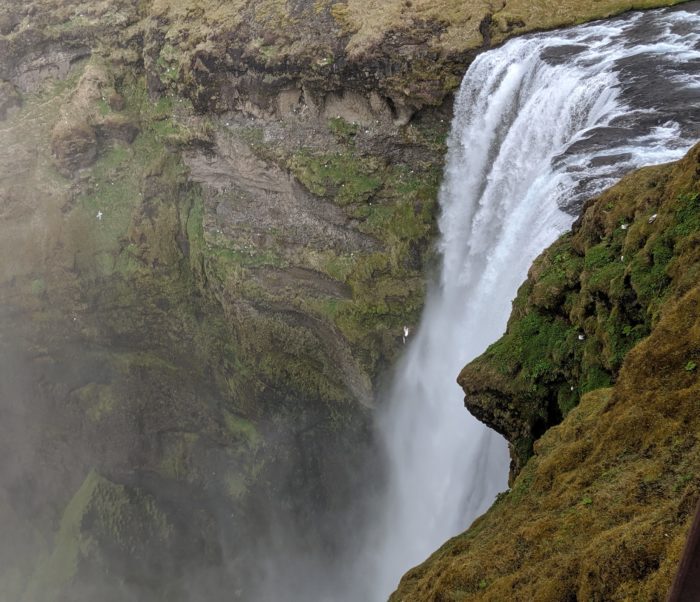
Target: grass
343, 177
318, 36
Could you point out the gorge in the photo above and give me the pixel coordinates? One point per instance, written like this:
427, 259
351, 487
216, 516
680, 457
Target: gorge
217, 220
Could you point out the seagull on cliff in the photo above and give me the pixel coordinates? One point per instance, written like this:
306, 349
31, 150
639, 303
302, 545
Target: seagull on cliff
406, 332
99, 215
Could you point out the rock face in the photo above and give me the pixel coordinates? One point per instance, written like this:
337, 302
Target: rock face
602, 508
73, 145
211, 236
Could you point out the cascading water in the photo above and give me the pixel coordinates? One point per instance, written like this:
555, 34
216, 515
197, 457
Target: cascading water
540, 124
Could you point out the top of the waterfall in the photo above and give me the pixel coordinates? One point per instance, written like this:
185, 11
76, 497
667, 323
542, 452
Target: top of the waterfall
552, 118
414, 51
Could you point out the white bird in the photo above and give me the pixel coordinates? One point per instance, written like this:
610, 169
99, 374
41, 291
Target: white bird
624, 226
581, 337
406, 332
652, 219
99, 215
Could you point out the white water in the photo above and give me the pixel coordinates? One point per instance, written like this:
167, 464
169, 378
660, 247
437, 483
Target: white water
532, 125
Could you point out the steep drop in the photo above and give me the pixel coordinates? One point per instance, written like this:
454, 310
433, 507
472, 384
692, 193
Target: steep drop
540, 125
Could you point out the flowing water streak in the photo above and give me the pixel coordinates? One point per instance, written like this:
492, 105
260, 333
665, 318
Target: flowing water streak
540, 124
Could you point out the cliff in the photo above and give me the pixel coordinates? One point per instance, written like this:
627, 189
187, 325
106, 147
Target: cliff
599, 368
588, 300
215, 219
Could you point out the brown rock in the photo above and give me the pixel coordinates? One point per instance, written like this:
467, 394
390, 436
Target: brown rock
73, 145
116, 101
117, 127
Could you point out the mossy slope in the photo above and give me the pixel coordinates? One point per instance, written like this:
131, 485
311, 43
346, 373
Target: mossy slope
601, 510
589, 299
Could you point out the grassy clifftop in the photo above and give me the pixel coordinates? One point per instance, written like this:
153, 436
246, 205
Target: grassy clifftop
602, 508
412, 52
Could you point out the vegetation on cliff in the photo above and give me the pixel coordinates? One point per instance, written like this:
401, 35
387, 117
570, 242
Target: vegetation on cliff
588, 300
602, 508
215, 219
410, 52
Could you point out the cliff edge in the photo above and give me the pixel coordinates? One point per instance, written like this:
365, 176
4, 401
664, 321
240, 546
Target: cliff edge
595, 384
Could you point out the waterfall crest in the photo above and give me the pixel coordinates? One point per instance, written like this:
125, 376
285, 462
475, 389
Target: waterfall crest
540, 124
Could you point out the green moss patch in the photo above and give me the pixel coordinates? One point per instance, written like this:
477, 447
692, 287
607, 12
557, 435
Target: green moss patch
602, 508
590, 298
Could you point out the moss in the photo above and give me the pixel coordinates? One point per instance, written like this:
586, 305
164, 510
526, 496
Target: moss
602, 509
236, 487
98, 401
339, 267
395, 205
99, 511
230, 261
343, 177
242, 430
343, 130
177, 452
589, 299
38, 286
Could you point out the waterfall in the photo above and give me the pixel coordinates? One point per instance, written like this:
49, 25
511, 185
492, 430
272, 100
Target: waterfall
540, 124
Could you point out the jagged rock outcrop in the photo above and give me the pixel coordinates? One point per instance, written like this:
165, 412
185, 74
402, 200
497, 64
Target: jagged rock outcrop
602, 508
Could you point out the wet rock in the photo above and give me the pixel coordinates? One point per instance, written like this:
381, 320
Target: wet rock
73, 146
